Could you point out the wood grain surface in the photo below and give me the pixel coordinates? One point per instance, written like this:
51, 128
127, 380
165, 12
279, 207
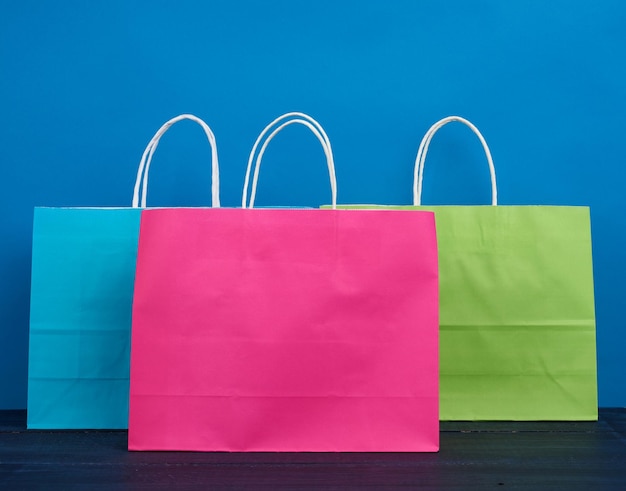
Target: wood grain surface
473, 455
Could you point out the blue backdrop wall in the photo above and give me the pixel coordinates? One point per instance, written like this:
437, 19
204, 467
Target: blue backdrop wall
84, 85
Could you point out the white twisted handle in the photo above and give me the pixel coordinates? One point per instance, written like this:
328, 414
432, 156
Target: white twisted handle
299, 118
418, 173
146, 160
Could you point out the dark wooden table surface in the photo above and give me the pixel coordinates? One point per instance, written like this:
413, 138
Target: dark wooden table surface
505, 455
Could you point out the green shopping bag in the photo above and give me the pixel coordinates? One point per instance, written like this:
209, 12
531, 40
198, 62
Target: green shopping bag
517, 320
83, 272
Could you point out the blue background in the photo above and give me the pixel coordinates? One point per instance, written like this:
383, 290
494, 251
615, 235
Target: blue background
84, 85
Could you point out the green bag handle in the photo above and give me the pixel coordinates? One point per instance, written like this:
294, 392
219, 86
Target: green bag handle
298, 118
418, 174
146, 160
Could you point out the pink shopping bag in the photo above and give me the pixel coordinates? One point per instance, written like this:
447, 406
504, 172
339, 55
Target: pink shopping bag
285, 329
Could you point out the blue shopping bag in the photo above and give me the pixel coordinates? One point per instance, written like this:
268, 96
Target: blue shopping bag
83, 270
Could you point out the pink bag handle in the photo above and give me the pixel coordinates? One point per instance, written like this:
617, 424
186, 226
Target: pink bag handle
418, 173
146, 160
300, 118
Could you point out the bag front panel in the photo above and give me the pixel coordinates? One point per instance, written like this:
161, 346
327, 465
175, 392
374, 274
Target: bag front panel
81, 300
285, 330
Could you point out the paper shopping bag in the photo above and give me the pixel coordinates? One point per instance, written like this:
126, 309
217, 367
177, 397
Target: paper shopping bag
83, 271
285, 329
517, 321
